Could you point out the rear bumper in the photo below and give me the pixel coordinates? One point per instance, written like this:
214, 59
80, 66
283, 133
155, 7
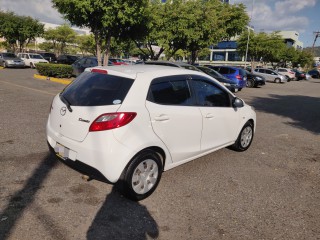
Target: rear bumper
80, 167
260, 82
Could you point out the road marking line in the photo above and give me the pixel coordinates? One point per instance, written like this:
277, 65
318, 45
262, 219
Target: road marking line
33, 89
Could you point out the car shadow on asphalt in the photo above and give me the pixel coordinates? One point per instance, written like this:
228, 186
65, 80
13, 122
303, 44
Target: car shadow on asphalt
120, 218
20, 201
303, 110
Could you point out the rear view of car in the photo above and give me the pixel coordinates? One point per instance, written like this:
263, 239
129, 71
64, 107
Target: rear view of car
237, 75
222, 79
125, 125
291, 75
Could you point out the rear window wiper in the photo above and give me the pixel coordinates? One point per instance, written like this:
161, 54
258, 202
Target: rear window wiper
66, 102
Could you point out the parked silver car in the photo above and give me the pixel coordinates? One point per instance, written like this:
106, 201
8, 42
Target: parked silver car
271, 75
10, 60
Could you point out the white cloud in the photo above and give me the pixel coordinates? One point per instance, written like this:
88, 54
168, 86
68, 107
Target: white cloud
39, 9
293, 6
277, 15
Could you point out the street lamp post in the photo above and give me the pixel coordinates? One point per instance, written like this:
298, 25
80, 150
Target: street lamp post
246, 58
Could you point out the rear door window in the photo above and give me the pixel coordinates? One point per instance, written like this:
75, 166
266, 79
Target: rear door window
96, 89
170, 91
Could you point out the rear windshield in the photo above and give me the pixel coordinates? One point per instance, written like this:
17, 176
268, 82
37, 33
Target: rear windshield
9, 55
242, 72
96, 89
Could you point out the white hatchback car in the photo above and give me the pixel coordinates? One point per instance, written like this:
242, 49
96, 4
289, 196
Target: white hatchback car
31, 59
127, 124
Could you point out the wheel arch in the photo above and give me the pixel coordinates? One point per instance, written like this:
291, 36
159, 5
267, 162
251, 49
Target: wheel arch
158, 150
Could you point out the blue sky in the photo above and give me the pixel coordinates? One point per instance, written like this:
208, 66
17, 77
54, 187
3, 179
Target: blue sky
267, 15
302, 16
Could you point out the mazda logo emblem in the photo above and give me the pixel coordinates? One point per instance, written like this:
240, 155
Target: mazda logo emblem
63, 111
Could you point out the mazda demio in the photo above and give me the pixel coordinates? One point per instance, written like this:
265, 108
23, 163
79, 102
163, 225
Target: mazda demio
125, 125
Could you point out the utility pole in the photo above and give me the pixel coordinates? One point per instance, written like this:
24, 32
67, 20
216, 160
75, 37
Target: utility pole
317, 34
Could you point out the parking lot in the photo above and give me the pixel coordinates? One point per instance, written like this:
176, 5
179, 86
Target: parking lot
270, 191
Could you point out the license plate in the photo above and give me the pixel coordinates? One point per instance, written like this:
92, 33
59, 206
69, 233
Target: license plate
61, 151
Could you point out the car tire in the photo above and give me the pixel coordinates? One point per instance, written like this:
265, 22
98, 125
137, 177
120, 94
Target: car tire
4, 65
141, 177
32, 65
244, 139
277, 80
288, 78
250, 83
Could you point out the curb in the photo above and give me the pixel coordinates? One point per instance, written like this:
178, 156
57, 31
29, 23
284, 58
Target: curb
1, 68
57, 80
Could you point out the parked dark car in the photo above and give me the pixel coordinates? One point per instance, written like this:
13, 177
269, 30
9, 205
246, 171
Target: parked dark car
86, 62
10, 60
50, 57
118, 61
315, 73
67, 59
237, 75
254, 80
225, 81
300, 75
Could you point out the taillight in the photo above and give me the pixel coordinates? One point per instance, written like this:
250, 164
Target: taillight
97, 70
110, 121
239, 77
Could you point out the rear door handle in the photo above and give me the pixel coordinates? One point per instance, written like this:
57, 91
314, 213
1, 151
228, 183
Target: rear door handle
209, 115
161, 118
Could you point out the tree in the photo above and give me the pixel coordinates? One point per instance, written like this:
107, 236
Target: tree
262, 46
60, 37
86, 44
19, 30
189, 25
105, 18
271, 48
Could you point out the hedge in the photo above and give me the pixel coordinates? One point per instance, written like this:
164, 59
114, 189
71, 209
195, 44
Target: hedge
54, 70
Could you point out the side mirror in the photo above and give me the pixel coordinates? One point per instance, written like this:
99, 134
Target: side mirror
237, 103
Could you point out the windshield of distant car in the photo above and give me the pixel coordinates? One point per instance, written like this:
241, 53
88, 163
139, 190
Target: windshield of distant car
35, 56
9, 55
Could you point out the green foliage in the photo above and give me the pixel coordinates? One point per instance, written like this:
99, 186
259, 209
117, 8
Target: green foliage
46, 46
262, 46
59, 38
105, 18
271, 48
54, 70
19, 29
86, 44
189, 25
305, 59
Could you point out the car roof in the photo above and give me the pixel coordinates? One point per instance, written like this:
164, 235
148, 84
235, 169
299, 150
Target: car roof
168, 63
131, 71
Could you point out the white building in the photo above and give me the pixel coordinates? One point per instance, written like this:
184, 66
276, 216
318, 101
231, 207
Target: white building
291, 38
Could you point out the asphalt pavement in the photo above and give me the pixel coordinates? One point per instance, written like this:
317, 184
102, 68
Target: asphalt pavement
270, 191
